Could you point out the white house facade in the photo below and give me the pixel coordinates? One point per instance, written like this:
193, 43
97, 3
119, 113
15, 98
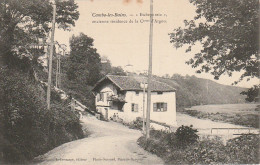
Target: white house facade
123, 96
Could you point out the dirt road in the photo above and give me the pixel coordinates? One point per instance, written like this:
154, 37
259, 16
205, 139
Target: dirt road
109, 143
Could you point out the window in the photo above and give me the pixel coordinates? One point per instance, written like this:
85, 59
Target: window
101, 96
159, 93
98, 97
134, 107
159, 107
107, 96
137, 93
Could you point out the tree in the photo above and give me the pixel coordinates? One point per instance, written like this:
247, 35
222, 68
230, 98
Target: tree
82, 69
22, 23
117, 70
228, 33
84, 61
107, 68
106, 65
252, 93
27, 129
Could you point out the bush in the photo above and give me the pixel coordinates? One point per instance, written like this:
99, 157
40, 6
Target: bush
186, 135
206, 151
29, 129
136, 124
244, 149
152, 145
241, 150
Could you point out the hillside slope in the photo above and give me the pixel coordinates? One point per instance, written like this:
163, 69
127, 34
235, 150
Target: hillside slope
27, 128
196, 91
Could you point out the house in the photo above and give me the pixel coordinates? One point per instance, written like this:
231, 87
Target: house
124, 96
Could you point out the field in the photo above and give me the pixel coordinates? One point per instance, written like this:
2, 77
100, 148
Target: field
239, 114
226, 108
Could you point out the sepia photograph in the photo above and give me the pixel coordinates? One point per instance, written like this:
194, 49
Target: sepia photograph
129, 82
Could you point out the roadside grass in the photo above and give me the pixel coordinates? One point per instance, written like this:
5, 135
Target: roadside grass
240, 150
136, 124
249, 119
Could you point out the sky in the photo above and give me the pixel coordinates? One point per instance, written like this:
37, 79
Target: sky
125, 40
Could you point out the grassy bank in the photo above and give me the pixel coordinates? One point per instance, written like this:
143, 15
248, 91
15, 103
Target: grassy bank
241, 150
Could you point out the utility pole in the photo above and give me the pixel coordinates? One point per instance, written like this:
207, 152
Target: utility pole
50, 57
149, 72
59, 72
143, 108
57, 68
63, 47
144, 85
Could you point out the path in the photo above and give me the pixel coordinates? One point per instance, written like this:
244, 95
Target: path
109, 143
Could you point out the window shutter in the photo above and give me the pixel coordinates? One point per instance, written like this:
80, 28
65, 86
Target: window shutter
136, 107
154, 107
164, 106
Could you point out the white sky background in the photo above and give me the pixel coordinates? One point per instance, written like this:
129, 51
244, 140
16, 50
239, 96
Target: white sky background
128, 43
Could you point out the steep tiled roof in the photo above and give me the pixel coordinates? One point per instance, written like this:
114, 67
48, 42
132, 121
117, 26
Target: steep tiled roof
132, 83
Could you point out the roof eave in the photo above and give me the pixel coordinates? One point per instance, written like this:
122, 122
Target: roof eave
173, 90
104, 78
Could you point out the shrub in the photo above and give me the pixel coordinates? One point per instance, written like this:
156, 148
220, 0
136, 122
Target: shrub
243, 149
152, 145
206, 151
29, 129
186, 135
184, 147
136, 124
172, 140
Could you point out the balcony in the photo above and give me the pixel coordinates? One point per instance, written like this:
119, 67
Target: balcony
116, 98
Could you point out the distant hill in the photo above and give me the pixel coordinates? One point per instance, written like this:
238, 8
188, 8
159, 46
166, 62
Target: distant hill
197, 91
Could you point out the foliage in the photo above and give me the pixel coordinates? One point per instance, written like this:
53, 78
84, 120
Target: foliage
117, 70
241, 150
28, 128
84, 62
136, 124
252, 93
22, 23
107, 68
208, 151
228, 33
244, 149
82, 69
186, 135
